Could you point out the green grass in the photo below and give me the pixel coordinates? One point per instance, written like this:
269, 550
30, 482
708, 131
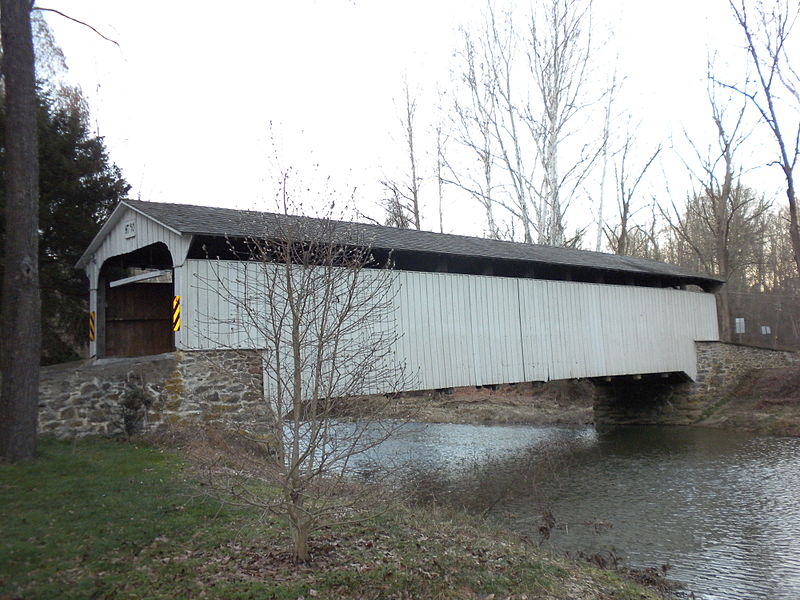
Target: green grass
77, 520
105, 519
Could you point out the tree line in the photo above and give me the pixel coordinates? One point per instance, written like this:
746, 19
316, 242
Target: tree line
531, 127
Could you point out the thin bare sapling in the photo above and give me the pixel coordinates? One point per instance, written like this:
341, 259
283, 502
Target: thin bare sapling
311, 295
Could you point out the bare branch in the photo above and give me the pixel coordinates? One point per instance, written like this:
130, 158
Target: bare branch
74, 20
766, 47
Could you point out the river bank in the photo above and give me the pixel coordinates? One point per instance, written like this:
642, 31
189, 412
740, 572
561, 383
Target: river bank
552, 403
106, 519
766, 401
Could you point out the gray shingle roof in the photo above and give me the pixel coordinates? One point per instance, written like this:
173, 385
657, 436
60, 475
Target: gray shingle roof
203, 220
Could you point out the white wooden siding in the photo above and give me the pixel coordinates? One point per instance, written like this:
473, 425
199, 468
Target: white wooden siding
462, 330
147, 232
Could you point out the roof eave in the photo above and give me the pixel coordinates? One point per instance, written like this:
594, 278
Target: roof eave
705, 281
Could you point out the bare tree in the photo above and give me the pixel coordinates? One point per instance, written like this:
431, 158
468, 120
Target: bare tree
311, 293
396, 212
413, 183
606, 140
403, 202
474, 117
507, 128
559, 54
766, 34
494, 127
769, 294
626, 183
721, 218
772, 270
441, 163
646, 239
21, 309
527, 95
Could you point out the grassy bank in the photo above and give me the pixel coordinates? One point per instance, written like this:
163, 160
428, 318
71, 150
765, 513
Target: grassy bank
104, 519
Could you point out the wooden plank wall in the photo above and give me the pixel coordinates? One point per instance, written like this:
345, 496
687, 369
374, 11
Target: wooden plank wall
463, 330
139, 320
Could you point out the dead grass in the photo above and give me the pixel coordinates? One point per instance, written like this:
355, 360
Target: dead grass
766, 401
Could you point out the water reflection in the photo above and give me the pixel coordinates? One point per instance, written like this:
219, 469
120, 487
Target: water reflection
721, 508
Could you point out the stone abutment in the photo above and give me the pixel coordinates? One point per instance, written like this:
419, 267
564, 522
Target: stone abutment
121, 396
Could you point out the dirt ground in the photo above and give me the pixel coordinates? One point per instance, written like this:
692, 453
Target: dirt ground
555, 402
766, 401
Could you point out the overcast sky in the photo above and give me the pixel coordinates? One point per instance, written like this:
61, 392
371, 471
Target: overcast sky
186, 100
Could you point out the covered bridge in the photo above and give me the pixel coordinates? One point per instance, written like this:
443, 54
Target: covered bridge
469, 311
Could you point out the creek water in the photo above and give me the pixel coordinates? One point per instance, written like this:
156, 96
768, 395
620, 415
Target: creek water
722, 509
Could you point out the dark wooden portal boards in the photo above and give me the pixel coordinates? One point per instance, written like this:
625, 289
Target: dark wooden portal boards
139, 319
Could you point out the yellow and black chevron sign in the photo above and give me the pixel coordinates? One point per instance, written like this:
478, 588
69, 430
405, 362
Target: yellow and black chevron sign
91, 325
176, 313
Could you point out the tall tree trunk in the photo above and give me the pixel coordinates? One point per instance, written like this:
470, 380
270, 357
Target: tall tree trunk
723, 204
794, 228
21, 328
413, 187
724, 313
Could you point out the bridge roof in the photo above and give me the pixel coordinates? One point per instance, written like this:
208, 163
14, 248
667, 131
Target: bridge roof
212, 221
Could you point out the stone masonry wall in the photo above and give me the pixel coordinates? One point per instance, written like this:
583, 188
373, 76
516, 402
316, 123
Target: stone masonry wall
668, 401
117, 396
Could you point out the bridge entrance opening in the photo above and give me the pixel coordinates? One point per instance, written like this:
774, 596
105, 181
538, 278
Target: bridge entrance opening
135, 296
